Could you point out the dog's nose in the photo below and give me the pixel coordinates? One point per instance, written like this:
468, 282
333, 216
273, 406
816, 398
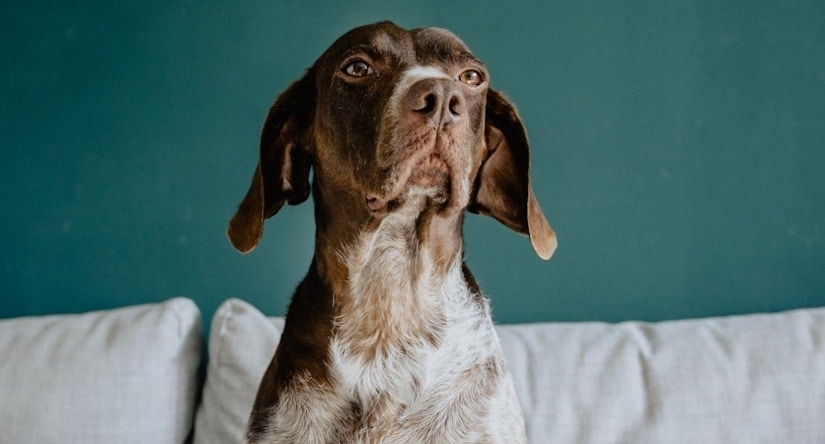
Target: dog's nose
436, 100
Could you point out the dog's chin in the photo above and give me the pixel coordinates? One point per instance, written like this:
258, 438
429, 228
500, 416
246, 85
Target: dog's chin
427, 186
432, 173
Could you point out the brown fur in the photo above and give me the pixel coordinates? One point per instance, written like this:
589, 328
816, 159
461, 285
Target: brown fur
395, 167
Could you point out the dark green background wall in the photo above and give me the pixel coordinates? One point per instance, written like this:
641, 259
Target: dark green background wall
678, 151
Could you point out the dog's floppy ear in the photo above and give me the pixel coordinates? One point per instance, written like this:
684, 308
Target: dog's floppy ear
502, 188
282, 174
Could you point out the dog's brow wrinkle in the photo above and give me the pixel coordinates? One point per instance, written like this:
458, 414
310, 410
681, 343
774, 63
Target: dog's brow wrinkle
385, 45
367, 50
466, 57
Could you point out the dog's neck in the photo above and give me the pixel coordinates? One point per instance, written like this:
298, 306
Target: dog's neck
392, 274
419, 241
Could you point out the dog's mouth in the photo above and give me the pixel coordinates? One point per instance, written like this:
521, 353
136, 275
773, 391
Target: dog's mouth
431, 172
424, 177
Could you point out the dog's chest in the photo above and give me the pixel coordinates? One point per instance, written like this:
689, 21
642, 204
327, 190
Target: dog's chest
404, 334
391, 387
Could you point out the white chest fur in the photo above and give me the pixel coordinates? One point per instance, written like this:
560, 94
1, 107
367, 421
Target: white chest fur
413, 346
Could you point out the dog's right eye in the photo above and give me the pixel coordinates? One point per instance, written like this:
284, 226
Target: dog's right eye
358, 68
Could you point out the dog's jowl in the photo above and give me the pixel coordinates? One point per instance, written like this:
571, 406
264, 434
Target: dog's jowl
388, 338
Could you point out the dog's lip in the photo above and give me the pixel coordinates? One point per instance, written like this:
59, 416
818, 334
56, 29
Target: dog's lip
414, 168
433, 162
375, 203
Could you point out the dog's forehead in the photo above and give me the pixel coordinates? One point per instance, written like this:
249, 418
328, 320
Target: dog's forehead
421, 46
437, 45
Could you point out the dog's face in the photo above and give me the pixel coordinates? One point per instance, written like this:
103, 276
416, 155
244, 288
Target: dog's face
403, 118
392, 119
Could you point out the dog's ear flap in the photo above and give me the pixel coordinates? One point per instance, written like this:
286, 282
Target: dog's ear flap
282, 174
502, 187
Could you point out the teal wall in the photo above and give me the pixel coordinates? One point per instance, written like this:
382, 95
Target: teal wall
678, 151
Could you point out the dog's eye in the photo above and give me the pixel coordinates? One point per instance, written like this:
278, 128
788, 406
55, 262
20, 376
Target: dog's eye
358, 68
471, 77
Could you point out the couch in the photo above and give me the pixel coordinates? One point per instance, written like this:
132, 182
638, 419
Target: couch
141, 375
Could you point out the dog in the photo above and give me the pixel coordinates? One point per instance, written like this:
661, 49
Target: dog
388, 338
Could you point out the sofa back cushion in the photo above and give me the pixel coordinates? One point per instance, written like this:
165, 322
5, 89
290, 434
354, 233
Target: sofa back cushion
743, 379
241, 343
127, 375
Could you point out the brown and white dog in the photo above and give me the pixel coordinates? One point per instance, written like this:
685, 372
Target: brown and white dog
388, 338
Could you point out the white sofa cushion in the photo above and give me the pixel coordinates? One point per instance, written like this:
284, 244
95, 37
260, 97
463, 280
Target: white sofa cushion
242, 341
127, 375
745, 379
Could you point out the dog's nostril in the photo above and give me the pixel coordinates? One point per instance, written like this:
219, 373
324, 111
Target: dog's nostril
456, 105
426, 103
431, 102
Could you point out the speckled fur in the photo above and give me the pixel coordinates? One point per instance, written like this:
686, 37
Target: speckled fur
388, 338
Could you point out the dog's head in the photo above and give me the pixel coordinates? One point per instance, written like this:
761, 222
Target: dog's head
390, 120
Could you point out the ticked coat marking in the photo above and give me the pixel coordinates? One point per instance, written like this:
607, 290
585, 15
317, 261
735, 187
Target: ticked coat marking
388, 339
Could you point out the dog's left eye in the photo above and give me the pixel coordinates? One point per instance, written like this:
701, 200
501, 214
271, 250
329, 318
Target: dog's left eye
471, 77
358, 68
